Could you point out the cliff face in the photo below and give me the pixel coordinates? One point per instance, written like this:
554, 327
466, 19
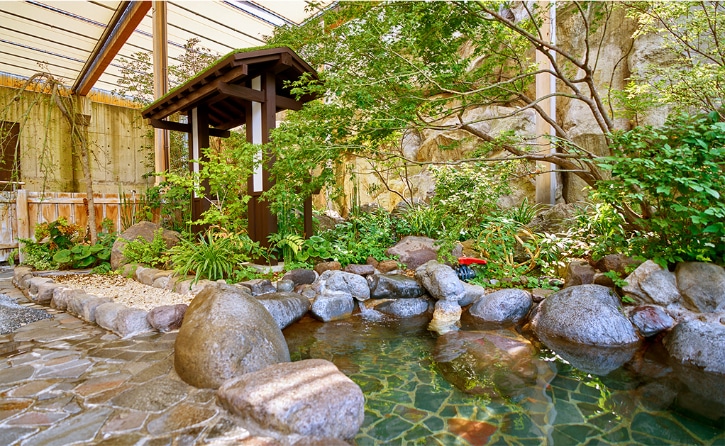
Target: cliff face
614, 55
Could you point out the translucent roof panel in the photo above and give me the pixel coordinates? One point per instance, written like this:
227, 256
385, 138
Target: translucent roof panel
60, 36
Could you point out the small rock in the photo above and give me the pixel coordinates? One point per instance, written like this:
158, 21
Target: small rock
446, 316
327, 266
309, 398
651, 320
618, 263
107, 313
341, 281
45, 292
146, 275
539, 294
578, 272
131, 322
404, 308
285, 286
386, 266
638, 276
360, 270
332, 305
300, 276
413, 251
394, 286
508, 306
257, 287
441, 281
167, 317
21, 275
33, 284
472, 293
62, 295
603, 280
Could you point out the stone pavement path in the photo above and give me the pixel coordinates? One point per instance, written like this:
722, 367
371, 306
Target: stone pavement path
64, 381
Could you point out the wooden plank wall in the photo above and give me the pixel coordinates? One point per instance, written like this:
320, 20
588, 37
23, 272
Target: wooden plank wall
23, 210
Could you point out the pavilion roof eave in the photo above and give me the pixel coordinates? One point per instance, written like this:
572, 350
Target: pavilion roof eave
212, 84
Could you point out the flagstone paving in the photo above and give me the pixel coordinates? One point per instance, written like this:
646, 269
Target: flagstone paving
64, 381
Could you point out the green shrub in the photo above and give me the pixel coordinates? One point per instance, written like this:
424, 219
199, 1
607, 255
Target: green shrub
217, 255
674, 177
153, 254
363, 235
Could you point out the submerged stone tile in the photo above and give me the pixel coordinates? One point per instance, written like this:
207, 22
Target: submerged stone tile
78, 428
660, 427
474, 432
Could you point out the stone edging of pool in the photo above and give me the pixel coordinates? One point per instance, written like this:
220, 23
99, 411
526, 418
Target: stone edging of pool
116, 317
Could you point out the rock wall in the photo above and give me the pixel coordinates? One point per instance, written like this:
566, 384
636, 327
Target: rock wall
618, 56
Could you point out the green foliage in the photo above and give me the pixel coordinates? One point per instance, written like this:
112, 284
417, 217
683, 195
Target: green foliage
37, 255
50, 237
286, 246
81, 256
524, 212
153, 254
674, 176
362, 236
174, 204
218, 255
511, 250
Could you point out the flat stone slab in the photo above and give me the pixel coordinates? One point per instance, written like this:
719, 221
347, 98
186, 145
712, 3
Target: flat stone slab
307, 398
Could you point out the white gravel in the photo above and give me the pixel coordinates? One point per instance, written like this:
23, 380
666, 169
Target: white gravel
123, 290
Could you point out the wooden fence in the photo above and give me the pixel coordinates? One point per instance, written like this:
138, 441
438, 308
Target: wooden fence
22, 210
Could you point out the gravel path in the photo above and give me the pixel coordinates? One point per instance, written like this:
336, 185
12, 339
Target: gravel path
13, 316
123, 290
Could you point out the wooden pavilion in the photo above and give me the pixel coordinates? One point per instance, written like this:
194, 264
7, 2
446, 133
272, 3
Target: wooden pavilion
244, 87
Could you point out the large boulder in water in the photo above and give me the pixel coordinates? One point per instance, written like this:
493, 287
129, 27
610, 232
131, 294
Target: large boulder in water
145, 230
342, 282
309, 398
699, 344
226, 333
507, 306
497, 363
284, 307
584, 314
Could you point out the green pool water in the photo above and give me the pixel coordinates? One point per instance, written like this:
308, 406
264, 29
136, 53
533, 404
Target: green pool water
408, 402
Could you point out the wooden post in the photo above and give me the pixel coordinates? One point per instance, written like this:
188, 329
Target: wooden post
161, 83
546, 85
23, 223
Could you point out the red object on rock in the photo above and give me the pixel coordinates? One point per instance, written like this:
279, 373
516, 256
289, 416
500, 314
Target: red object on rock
471, 261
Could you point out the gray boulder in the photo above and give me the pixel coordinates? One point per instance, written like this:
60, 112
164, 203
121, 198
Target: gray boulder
660, 286
131, 322
145, 230
226, 333
651, 320
258, 287
698, 344
403, 308
285, 307
471, 293
167, 317
584, 314
508, 306
340, 281
441, 281
413, 251
599, 360
300, 276
107, 313
332, 305
702, 285
394, 286
309, 398
21, 275
285, 286
62, 295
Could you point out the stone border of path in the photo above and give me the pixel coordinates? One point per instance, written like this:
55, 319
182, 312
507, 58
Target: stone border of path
121, 319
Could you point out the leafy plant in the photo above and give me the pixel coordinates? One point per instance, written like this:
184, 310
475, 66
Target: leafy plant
217, 255
289, 245
154, 254
673, 177
37, 255
524, 212
82, 256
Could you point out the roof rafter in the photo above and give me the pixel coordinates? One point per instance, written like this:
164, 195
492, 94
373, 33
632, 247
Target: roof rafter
125, 20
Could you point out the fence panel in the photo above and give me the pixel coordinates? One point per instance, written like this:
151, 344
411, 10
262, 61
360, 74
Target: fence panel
21, 211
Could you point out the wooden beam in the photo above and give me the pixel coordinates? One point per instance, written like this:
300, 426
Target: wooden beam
181, 127
161, 82
238, 91
124, 22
